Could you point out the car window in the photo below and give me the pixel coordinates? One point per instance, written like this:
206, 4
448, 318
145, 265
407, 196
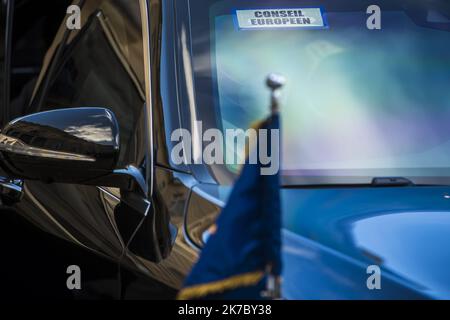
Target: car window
102, 65
345, 119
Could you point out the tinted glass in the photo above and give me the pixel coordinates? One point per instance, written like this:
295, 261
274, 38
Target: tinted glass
358, 103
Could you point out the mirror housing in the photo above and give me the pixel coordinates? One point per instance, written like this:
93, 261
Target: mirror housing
76, 145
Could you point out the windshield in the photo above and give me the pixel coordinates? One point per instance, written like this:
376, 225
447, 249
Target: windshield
359, 102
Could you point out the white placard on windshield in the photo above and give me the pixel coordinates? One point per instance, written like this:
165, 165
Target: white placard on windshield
281, 18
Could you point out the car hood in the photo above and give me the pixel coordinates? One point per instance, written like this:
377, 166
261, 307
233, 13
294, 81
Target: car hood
331, 237
405, 231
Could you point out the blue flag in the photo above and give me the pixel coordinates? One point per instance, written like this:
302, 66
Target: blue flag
244, 253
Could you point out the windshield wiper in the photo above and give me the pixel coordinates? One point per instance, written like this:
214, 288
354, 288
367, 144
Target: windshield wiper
376, 182
391, 182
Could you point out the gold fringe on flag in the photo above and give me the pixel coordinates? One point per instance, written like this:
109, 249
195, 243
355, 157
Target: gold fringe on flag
202, 290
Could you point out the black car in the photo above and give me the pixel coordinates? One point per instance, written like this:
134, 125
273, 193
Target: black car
365, 164
105, 82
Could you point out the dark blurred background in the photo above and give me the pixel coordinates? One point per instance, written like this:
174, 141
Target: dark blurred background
34, 263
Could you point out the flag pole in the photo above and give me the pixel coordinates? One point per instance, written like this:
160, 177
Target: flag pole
275, 82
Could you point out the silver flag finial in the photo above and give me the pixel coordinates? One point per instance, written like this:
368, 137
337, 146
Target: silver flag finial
275, 82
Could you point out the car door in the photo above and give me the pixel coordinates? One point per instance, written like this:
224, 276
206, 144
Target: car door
99, 65
103, 65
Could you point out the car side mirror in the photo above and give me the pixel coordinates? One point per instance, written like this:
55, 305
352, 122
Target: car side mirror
67, 145
77, 146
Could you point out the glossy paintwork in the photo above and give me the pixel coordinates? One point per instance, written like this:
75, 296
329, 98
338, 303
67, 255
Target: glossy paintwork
97, 67
330, 236
172, 193
314, 271
401, 229
115, 222
73, 145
